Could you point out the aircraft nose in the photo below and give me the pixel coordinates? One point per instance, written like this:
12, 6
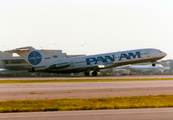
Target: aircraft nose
164, 54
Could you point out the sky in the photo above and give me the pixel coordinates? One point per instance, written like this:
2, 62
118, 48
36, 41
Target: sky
87, 26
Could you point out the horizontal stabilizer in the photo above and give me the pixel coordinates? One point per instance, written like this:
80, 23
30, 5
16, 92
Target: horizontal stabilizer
18, 50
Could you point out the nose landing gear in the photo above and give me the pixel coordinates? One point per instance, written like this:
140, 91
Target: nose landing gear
153, 64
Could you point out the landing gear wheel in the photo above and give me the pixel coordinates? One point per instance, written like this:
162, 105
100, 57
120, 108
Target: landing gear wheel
86, 73
153, 64
94, 73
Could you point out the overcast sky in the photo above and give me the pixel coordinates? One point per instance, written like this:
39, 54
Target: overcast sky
87, 26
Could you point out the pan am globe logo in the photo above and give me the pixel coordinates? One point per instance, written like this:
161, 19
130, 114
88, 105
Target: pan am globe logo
34, 58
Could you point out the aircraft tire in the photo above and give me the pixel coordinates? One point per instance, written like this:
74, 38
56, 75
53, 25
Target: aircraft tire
153, 64
86, 73
94, 73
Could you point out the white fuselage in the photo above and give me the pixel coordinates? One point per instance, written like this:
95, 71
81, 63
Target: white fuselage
140, 68
58, 63
107, 60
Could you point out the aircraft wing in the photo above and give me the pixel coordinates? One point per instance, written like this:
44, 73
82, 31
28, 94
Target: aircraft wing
102, 66
125, 66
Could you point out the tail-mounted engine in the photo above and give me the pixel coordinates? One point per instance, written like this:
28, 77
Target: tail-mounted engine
60, 65
60, 56
37, 69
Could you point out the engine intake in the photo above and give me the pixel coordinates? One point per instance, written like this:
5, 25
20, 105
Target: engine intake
31, 70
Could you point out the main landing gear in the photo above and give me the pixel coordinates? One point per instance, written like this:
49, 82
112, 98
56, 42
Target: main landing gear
94, 73
87, 73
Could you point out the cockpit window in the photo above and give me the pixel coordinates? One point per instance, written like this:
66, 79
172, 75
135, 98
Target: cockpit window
159, 51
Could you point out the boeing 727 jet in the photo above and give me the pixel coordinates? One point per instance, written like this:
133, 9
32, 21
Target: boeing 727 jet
58, 63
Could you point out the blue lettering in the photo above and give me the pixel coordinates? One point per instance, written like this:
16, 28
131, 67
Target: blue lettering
130, 55
100, 58
134, 56
124, 56
88, 60
110, 58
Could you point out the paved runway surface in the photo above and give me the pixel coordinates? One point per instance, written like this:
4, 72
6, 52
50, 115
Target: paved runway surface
91, 77
25, 91
89, 90
124, 114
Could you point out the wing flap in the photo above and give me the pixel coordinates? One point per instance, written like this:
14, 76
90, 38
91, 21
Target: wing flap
102, 66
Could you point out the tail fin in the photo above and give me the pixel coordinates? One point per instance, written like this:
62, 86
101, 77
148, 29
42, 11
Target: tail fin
31, 55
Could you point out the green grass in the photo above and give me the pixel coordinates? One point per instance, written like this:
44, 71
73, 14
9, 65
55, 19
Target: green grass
87, 104
82, 80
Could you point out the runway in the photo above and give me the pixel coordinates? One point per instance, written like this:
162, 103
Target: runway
123, 114
35, 91
90, 77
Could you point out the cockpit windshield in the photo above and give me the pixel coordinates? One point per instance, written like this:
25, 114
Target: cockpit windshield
159, 51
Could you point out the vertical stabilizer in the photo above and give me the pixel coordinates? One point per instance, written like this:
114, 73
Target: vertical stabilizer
31, 55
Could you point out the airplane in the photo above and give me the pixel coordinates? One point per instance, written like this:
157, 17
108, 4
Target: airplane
4, 71
143, 68
58, 63
120, 70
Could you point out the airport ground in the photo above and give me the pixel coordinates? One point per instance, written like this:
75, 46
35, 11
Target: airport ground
88, 77
123, 114
35, 91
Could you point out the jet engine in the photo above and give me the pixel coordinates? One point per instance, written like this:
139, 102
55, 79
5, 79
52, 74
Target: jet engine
37, 69
60, 65
60, 56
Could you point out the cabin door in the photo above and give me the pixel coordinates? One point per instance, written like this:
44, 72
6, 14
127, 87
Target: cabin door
148, 53
72, 64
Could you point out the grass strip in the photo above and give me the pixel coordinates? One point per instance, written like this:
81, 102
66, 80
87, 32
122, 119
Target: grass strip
81, 80
87, 104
